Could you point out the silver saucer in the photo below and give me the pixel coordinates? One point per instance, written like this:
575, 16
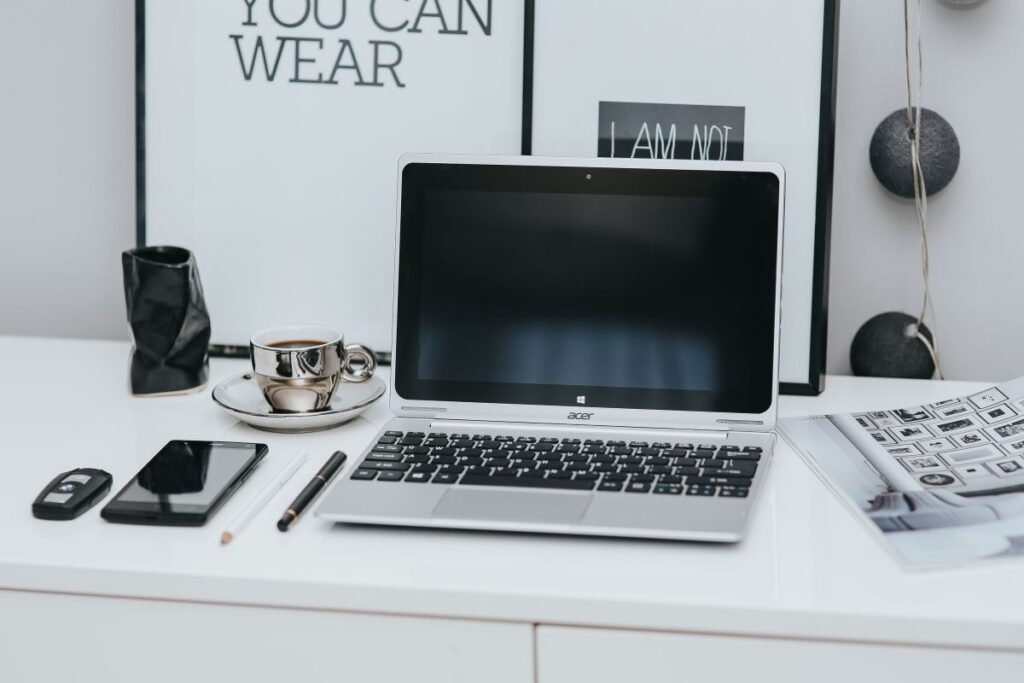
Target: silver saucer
243, 400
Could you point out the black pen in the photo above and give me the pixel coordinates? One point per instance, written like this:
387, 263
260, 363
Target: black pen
312, 490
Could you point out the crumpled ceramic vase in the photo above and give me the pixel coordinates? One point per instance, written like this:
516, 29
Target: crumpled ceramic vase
168, 319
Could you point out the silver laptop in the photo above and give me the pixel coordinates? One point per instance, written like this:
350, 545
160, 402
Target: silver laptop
581, 347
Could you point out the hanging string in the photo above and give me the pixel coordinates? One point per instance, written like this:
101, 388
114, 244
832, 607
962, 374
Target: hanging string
920, 191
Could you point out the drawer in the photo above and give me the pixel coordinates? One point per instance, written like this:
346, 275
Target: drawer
54, 637
568, 655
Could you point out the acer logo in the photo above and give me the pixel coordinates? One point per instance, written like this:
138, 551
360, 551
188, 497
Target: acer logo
580, 416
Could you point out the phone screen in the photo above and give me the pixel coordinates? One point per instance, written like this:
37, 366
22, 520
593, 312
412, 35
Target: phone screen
189, 476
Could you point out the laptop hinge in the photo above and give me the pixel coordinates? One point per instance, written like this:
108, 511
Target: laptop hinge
462, 425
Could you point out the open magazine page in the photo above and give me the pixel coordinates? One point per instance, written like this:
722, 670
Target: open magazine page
942, 484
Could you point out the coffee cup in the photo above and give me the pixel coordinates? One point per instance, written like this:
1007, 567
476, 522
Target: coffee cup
299, 368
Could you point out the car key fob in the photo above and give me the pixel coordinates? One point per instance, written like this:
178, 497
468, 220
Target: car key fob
72, 493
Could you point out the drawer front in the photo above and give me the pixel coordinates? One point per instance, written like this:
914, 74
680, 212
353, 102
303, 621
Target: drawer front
569, 655
52, 637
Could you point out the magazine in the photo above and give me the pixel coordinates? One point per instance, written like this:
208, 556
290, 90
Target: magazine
943, 483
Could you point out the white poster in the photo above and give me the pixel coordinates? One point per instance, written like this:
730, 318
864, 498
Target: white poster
692, 79
273, 131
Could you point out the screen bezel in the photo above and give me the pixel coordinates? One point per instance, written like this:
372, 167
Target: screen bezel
570, 413
118, 510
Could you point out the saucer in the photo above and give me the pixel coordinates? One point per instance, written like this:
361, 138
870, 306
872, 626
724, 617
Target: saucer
243, 400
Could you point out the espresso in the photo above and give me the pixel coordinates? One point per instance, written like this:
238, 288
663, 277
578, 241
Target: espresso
297, 344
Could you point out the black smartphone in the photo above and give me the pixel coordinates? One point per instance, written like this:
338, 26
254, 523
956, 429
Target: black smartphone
185, 483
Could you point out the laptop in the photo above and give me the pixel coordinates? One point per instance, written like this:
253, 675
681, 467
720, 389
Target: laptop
584, 347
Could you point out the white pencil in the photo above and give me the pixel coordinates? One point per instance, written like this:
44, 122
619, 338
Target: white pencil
260, 501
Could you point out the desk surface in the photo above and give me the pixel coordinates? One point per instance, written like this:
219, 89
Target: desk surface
808, 568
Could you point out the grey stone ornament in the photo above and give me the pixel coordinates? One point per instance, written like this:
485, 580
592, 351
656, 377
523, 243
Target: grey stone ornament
891, 158
885, 346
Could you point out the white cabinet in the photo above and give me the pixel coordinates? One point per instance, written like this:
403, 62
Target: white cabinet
569, 655
52, 637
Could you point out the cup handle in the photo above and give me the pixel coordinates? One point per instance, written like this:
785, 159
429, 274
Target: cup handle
369, 363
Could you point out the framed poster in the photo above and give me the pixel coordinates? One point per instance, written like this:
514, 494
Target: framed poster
269, 133
694, 79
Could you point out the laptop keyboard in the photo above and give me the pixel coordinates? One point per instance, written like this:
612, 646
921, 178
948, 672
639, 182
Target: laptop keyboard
662, 468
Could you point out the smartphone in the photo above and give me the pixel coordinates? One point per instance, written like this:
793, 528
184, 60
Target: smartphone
185, 483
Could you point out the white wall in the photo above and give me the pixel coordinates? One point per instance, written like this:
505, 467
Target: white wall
67, 159
973, 62
67, 174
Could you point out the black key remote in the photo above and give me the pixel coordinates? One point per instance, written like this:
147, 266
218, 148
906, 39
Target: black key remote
72, 493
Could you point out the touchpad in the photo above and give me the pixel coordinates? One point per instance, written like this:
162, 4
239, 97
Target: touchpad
513, 505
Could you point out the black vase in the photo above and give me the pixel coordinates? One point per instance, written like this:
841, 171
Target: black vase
168, 319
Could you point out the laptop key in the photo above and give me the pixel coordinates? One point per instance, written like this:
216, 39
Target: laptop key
641, 479
526, 482
410, 441
751, 457
559, 475
700, 490
586, 476
734, 492
387, 440
442, 478
390, 476
716, 481
374, 465
393, 433
615, 476
385, 457
610, 486
638, 487
735, 472
670, 479
452, 469
418, 477
668, 489
387, 449
365, 475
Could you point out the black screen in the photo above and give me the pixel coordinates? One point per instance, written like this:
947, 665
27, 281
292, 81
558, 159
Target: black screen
635, 288
187, 476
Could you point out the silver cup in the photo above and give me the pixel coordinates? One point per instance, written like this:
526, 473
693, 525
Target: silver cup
299, 368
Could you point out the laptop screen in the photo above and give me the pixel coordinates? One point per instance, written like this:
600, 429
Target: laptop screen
607, 287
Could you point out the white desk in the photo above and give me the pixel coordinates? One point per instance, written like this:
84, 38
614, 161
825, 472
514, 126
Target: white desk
810, 594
